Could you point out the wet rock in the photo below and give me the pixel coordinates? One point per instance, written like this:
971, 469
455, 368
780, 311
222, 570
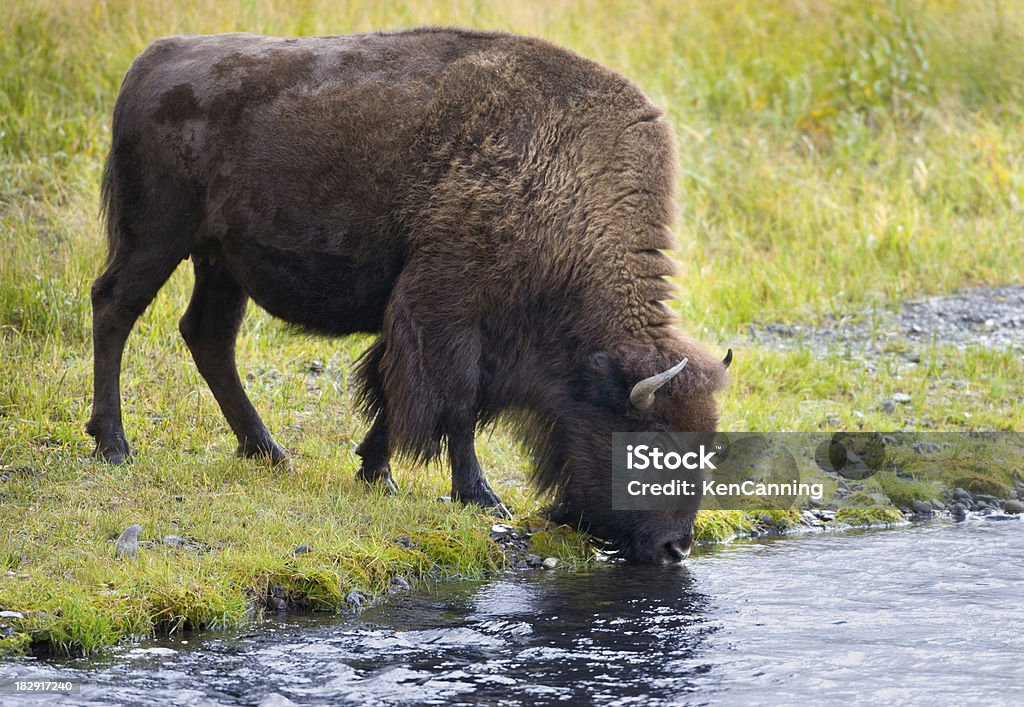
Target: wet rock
922, 508
500, 531
1001, 516
1013, 506
938, 505
302, 550
962, 496
534, 560
128, 542
400, 584
355, 598
549, 563
958, 511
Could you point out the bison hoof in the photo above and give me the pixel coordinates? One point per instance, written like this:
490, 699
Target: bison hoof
114, 451
484, 497
267, 452
380, 478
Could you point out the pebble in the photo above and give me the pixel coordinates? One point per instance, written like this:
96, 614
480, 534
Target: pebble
173, 540
128, 542
901, 398
549, 563
302, 550
11, 615
887, 406
403, 540
925, 447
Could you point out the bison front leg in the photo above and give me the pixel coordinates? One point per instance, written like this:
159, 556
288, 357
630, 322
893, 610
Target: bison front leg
210, 327
468, 482
375, 453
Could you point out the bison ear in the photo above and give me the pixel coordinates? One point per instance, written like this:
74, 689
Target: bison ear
604, 383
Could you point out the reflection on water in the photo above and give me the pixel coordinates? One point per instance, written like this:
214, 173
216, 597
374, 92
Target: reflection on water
933, 613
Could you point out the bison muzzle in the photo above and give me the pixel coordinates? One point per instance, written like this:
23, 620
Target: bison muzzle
493, 206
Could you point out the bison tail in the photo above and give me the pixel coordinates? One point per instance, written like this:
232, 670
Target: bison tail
108, 206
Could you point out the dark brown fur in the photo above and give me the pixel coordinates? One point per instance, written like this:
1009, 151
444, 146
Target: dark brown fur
494, 206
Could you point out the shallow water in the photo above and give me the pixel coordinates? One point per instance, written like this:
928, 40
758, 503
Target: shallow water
933, 613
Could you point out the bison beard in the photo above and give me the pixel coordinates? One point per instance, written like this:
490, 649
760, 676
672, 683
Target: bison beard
493, 206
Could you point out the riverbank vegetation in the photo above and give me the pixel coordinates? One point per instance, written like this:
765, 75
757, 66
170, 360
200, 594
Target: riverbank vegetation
836, 159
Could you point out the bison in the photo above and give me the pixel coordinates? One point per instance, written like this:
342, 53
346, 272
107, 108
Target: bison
493, 206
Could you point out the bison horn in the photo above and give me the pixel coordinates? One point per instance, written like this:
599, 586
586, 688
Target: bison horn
642, 395
728, 358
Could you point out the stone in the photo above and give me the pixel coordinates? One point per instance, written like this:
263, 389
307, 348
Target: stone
400, 583
958, 511
887, 406
355, 598
128, 542
1013, 506
550, 563
11, 615
302, 550
173, 540
962, 495
922, 508
901, 398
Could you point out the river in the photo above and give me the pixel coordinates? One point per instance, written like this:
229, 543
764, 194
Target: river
932, 613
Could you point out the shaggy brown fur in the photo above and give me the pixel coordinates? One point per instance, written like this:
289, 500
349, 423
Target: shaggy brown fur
494, 206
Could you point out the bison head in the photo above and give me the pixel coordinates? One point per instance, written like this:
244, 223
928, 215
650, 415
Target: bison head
630, 391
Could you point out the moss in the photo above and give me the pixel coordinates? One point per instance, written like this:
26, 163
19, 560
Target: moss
562, 542
774, 519
721, 526
15, 644
879, 515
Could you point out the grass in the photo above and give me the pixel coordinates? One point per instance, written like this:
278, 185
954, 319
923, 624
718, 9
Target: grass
835, 157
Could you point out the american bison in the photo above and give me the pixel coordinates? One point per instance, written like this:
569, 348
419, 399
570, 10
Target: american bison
494, 206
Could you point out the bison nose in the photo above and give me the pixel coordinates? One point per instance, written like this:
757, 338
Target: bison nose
675, 551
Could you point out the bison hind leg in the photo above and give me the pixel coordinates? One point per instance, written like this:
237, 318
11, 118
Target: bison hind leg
119, 295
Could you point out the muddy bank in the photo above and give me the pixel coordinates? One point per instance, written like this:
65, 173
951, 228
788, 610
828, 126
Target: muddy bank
989, 317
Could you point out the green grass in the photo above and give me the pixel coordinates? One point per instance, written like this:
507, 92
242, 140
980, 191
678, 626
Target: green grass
834, 157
